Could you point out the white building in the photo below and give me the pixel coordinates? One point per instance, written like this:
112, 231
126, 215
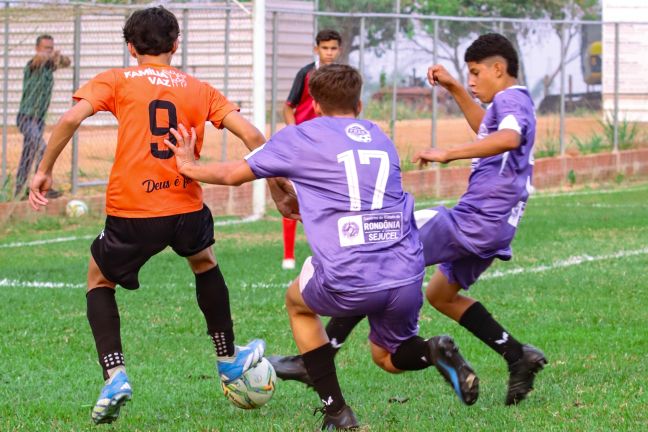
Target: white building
633, 58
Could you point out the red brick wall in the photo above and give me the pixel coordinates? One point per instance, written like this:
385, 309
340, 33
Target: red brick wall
436, 182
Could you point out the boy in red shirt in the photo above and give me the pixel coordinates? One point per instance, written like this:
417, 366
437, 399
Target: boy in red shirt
298, 109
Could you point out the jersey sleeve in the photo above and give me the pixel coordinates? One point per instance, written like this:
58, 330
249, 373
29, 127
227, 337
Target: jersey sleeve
512, 112
99, 91
276, 158
297, 89
219, 107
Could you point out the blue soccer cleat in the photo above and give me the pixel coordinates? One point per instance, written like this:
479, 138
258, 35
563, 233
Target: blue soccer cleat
445, 356
112, 397
245, 357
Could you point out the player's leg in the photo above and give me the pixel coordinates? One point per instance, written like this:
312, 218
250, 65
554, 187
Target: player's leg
193, 239
26, 125
292, 367
118, 253
318, 357
289, 232
396, 345
103, 317
443, 292
316, 350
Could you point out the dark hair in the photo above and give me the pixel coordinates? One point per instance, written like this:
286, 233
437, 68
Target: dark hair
490, 45
328, 35
336, 88
152, 31
43, 36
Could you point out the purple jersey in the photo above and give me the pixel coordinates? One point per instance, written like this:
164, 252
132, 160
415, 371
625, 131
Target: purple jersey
499, 186
358, 221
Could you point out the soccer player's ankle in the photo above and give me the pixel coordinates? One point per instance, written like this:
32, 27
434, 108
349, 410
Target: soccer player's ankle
223, 343
321, 368
481, 323
114, 371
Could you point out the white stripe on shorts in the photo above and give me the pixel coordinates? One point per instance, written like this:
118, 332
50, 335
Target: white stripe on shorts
306, 273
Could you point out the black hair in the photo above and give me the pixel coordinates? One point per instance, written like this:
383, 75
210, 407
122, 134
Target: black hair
490, 45
152, 31
328, 35
43, 36
336, 88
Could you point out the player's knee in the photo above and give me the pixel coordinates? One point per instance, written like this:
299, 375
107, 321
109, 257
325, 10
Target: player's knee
202, 261
383, 361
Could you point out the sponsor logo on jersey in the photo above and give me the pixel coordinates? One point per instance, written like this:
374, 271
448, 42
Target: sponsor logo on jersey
165, 78
358, 133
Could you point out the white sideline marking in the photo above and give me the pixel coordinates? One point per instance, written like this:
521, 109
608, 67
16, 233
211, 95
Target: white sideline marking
569, 262
36, 284
425, 203
245, 220
46, 241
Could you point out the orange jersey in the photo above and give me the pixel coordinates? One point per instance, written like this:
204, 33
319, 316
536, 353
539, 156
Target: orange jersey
147, 100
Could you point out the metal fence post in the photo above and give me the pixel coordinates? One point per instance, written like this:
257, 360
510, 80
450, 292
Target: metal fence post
75, 84
185, 39
563, 55
615, 144
228, 19
315, 20
5, 95
435, 102
392, 123
273, 108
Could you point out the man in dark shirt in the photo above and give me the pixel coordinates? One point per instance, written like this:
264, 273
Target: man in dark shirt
299, 108
38, 82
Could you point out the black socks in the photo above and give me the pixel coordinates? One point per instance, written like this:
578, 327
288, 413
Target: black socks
339, 329
321, 368
480, 323
411, 355
103, 317
213, 300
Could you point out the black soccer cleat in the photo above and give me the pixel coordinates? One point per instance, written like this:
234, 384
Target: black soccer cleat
344, 419
444, 354
291, 368
523, 372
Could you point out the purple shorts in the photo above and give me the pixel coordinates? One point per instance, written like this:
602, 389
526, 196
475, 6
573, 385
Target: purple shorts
393, 314
443, 244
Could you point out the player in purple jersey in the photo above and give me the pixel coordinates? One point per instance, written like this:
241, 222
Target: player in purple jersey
367, 256
466, 239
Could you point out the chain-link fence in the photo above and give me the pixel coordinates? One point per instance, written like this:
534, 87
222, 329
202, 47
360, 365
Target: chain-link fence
583, 105
583, 76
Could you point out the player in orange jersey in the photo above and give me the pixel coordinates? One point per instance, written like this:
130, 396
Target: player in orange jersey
149, 205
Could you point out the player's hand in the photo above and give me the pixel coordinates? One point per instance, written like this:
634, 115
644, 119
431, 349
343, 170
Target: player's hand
40, 184
184, 147
431, 155
438, 75
285, 198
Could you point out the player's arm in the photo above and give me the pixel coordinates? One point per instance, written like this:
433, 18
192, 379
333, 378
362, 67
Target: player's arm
294, 97
496, 143
63, 131
244, 130
223, 173
289, 115
474, 113
282, 194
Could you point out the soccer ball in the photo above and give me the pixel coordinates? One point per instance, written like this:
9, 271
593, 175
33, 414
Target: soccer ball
254, 388
76, 208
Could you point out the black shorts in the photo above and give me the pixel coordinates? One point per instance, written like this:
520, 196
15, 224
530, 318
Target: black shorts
125, 244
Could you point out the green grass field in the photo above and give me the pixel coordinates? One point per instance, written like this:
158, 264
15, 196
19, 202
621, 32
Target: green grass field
576, 288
